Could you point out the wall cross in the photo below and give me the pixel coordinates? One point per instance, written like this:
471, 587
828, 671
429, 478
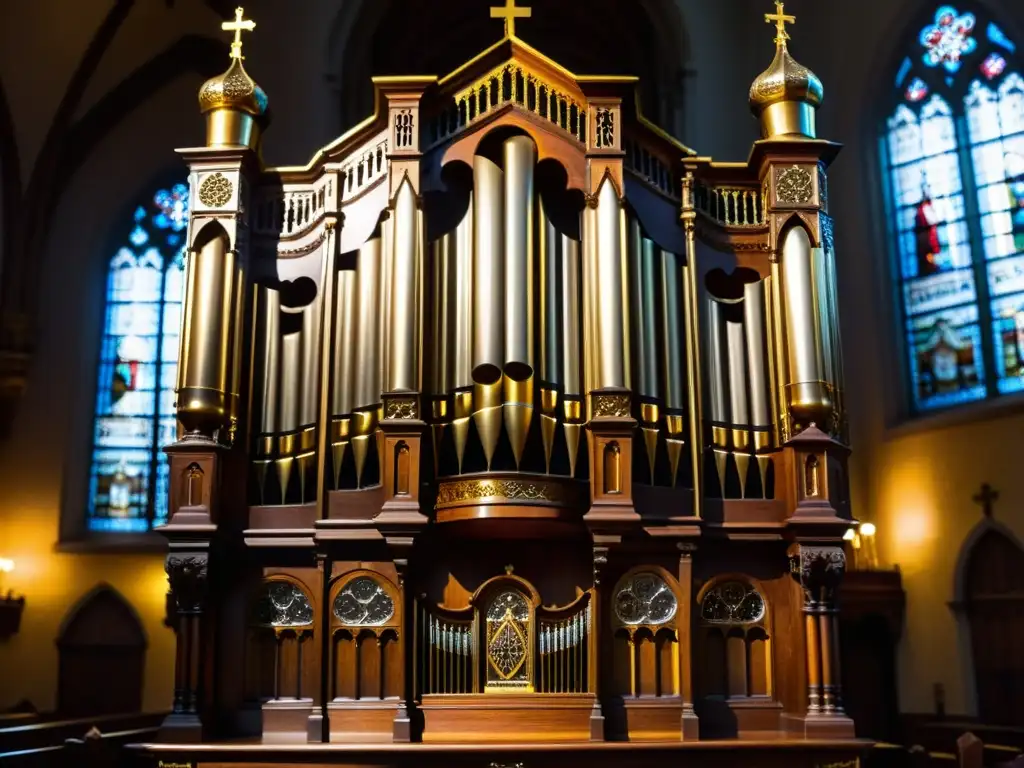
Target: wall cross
986, 497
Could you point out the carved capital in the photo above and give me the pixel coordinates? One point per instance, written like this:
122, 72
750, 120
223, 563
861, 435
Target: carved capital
610, 406
188, 579
401, 408
819, 571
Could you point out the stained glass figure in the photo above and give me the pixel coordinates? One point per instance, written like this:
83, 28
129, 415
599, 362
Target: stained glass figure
138, 366
732, 602
282, 604
363, 603
645, 599
957, 208
949, 38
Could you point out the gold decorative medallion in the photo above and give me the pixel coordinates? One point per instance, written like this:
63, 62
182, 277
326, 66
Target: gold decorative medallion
215, 191
461, 491
610, 406
794, 186
401, 408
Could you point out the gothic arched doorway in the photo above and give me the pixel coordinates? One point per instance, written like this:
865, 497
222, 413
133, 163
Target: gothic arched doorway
412, 37
102, 648
993, 584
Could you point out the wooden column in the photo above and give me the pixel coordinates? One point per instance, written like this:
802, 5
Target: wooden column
187, 574
689, 724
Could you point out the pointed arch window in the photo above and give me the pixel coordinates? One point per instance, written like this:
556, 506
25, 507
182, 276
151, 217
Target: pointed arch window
137, 369
953, 149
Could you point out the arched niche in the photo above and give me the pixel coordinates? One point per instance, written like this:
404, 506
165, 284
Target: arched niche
645, 628
102, 651
989, 605
280, 652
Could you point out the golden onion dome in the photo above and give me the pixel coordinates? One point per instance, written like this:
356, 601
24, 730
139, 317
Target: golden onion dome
785, 96
234, 89
233, 102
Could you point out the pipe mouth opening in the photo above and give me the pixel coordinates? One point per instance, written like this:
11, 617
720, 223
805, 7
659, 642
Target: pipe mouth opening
487, 374
518, 372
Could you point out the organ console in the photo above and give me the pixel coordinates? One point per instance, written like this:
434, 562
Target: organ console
509, 417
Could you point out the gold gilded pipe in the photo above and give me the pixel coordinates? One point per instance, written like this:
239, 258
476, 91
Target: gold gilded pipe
343, 395
807, 391
306, 459
517, 408
340, 432
548, 423
437, 381
403, 323
205, 352
694, 375
520, 155
488, 272
291, 383
572, 426
627, 317
755, 330
439, 420
238, 339
649, 418
671, 326
286, 459
364, 426
463, 401
610, 323
778, 375
674, 442
487, 416
368, 325
741, 442
571, 311
461, 304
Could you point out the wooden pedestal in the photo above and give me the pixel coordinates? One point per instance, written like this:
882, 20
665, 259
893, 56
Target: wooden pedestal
362, 722
483, 718
286, 721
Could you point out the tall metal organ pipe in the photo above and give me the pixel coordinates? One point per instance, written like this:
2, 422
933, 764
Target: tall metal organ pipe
571, 313
672, 332
205, 357
488, 271
755, 327
808, 397
643, 257
343, 400
462, 302
609, 322
403, 343
368, 323
520, 156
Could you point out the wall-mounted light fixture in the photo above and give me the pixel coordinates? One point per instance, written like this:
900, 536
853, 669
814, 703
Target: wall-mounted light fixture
867, 538
10, 606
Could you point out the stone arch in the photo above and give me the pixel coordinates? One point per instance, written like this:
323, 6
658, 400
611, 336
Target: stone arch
384, 37
988, 603
102, 650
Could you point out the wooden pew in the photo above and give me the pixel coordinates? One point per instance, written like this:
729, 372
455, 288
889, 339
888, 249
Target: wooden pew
81, 742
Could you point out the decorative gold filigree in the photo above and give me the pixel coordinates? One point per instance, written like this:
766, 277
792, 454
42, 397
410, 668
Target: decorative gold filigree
215, 191
794, 186
610, 406
401, 408
505, 490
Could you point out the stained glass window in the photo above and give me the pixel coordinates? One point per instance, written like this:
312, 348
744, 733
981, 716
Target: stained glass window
954, 159
137, 368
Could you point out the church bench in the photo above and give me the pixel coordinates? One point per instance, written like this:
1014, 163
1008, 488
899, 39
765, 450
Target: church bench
95, 750
19, 738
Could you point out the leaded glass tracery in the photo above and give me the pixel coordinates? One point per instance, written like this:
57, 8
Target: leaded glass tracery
508, 641
645, 598
954, 148
282, 604
135, 414
363, 603
732, 602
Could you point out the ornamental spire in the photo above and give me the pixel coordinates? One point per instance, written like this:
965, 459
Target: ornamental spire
780, 19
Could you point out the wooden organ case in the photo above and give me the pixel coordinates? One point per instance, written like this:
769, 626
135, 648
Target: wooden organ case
509, 418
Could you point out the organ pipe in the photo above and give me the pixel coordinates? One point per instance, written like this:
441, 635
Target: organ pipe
462, 347
310, 340
807, 391
291, 382
520, 158
552, 331
403, 338
644, 256
368, 322
488, 274
671, 334
269, 313
717, 373
609, 323
205, 358
737, 363
570, 335
754, 321
343, 398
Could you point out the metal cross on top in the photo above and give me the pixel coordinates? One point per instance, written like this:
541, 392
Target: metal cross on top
509, 12
985, 497
238, 26
780, 19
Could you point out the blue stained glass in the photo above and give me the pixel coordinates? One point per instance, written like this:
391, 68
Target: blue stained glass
903, 72
137, 369
948, 39
997, 36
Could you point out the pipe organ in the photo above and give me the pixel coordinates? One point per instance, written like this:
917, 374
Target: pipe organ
484, 406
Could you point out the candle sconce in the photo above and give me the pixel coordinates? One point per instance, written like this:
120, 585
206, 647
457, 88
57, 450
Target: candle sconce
11, 607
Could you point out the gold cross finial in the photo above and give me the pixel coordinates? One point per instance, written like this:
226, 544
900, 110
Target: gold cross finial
508, 569
509, 12
780, 19
239, 25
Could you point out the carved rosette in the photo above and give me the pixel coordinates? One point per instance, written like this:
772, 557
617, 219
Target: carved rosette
215, 190
401, 408
188, 579
793, 186
610, 406
819, 571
